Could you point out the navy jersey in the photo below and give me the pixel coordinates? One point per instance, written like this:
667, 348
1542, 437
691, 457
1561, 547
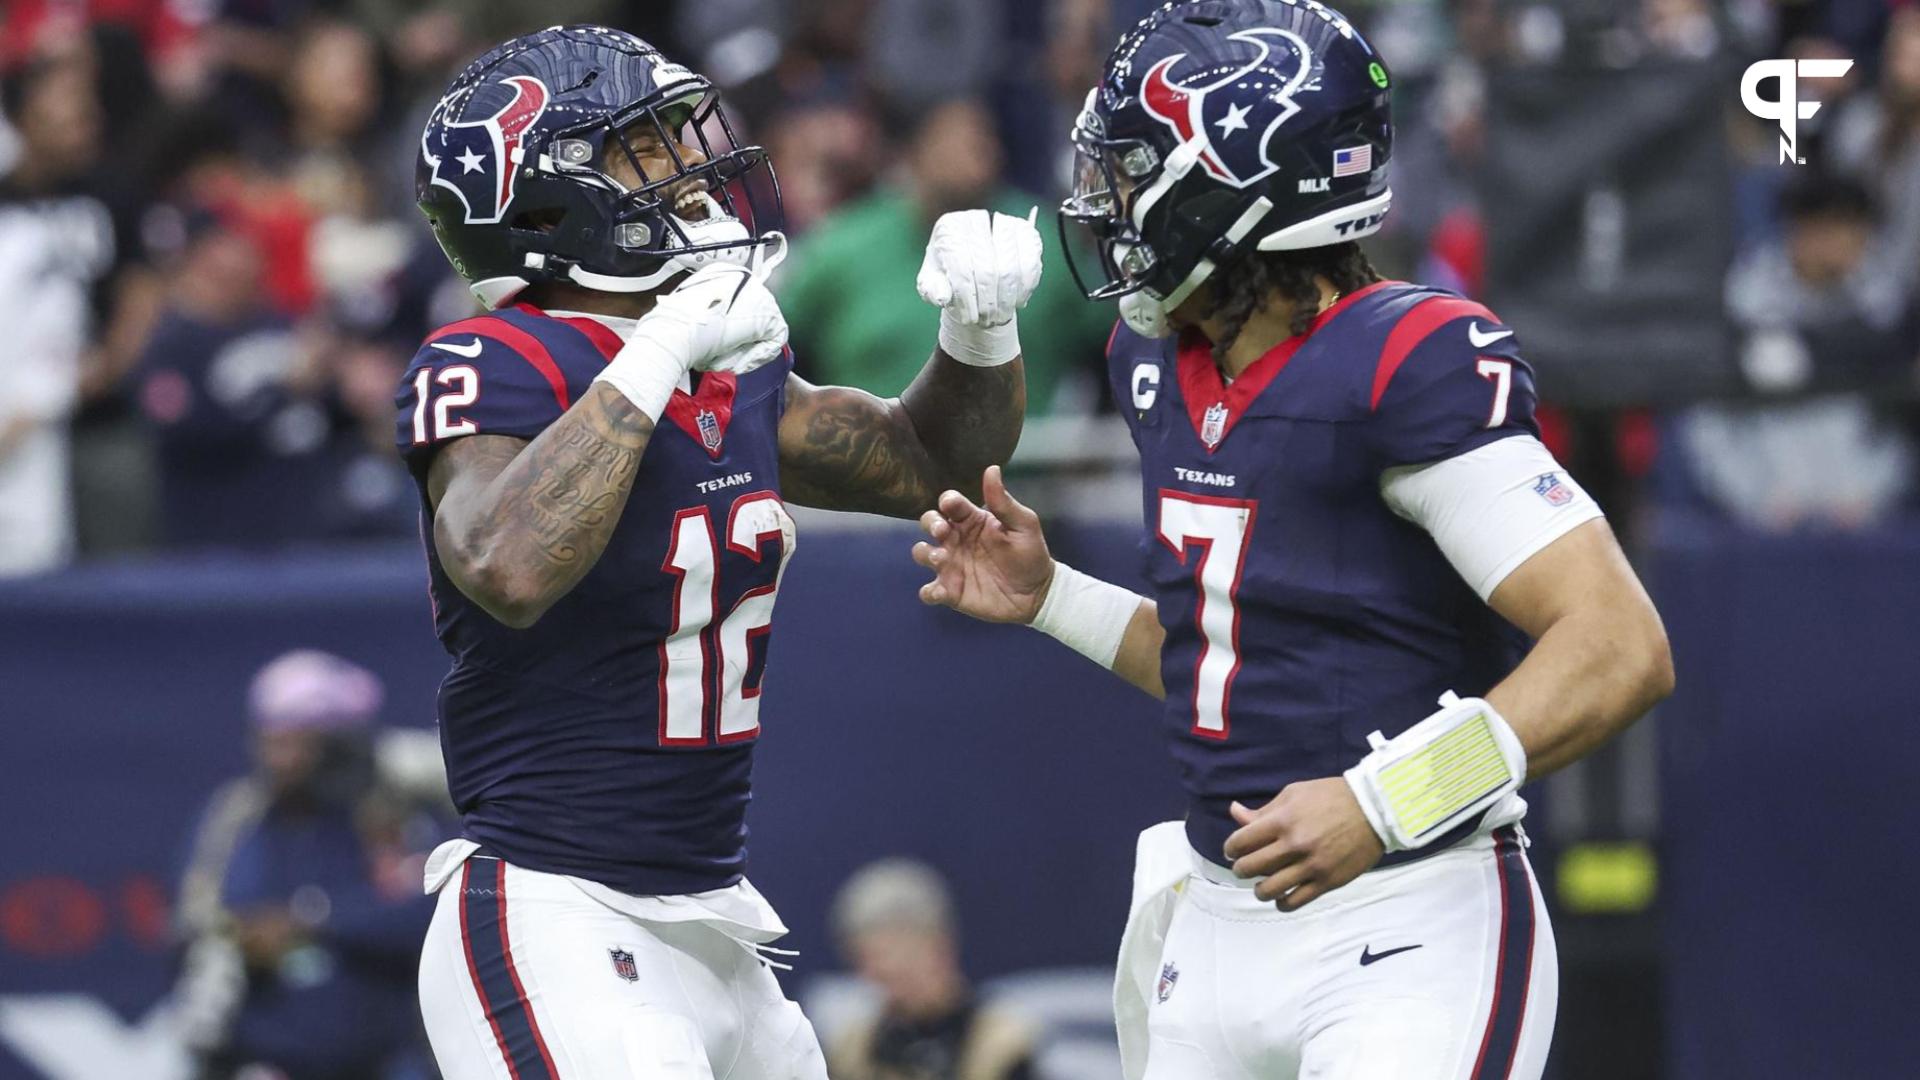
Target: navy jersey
1302, 613
613, 739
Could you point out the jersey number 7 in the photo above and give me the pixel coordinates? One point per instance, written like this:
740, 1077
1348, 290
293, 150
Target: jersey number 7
1209, 534
702, 666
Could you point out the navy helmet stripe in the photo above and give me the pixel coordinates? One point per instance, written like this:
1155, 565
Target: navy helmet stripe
1513, 972
483, 930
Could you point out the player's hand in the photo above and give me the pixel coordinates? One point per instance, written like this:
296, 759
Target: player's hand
1311, 839
721, 318
991, 561
980, 268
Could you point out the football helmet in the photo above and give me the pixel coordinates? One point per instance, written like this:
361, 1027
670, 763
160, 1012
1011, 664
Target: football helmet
1221, 127
512, 169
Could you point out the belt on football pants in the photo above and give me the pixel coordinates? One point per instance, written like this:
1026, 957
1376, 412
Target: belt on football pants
1223, 875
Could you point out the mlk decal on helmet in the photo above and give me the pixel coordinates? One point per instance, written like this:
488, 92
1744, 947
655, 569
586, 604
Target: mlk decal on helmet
1221, 127
512, 170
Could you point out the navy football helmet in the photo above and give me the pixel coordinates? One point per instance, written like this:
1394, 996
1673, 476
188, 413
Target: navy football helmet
1221, 127
512, 170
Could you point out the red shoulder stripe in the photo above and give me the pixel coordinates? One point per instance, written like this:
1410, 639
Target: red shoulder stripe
526, 345
1413, 328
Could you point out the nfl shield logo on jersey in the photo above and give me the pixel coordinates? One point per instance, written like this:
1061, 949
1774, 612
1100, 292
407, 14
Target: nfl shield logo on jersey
1169, 975
709, 424
623, 965
1213, 425
1551, 489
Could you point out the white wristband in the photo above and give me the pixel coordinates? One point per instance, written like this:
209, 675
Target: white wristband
1086, 614
979, 346
646, 372
1438, 773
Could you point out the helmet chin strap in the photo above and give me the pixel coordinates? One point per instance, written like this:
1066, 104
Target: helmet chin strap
1143, 312
758, 254
1146, 314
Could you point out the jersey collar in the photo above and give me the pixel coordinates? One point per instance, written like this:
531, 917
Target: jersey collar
702, 413
1213, 404
621, 326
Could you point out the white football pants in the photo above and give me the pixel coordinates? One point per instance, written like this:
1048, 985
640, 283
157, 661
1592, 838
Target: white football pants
532, 976
1439, 969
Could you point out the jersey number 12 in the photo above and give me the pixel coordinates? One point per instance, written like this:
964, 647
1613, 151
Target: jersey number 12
695, 652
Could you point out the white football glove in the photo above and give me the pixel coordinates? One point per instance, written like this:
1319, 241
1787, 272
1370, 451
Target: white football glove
721, 318
980, 269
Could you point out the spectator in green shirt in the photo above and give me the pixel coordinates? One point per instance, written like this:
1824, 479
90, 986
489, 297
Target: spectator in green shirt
848, 291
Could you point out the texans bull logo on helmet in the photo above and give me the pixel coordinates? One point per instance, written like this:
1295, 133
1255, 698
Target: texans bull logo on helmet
1232, 111
477, 158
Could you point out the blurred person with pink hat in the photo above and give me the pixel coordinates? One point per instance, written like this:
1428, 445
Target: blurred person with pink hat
297, 910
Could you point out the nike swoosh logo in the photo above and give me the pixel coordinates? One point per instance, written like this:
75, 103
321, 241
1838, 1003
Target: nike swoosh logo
1367, 956
1481, 339
469, 350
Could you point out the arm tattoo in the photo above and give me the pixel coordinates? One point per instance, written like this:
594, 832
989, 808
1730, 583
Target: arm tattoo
969, 417
577, 495
844, 449
518, 524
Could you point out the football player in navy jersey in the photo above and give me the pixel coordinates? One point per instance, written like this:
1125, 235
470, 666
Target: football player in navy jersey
1348, 514
602, 460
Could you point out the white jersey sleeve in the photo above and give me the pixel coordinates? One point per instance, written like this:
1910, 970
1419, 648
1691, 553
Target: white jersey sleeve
1491, 508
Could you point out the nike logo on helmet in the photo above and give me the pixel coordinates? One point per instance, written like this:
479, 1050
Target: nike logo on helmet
1368, 956
469, 350
1481, 339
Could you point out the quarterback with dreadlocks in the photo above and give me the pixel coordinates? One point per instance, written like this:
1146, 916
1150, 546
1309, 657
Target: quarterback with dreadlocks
603, 461
1349, 519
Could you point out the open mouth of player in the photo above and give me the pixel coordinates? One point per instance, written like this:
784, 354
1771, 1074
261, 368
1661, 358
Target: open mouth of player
695, 205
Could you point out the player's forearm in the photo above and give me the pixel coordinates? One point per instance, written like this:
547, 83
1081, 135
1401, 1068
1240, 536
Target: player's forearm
523, 539
1138, 660
845, 449
1590, 676
966, 418
1112, 626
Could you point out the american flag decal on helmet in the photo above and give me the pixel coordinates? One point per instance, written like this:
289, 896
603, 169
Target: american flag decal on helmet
1352, 160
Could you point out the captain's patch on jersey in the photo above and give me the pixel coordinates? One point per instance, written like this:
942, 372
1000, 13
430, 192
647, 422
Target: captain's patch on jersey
1146, 385
1549, 487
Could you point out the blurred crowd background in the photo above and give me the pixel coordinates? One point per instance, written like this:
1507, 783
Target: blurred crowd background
213, 273
212, 276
